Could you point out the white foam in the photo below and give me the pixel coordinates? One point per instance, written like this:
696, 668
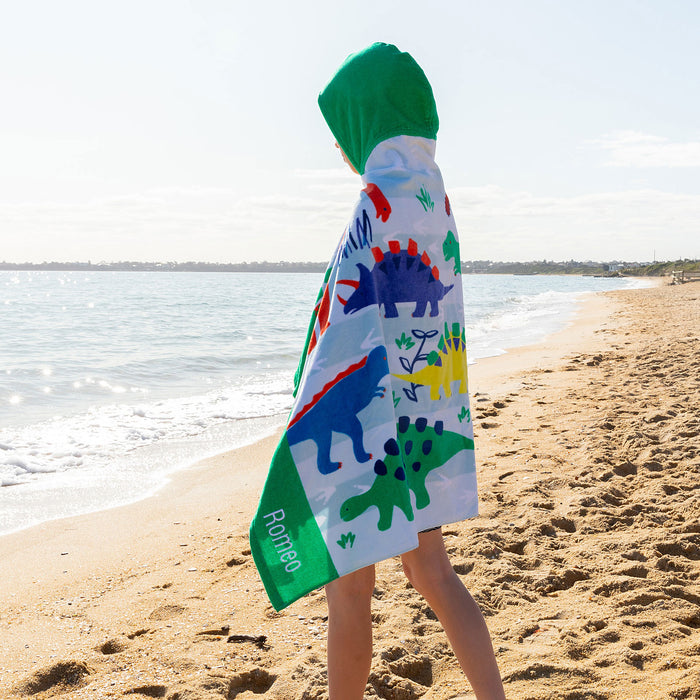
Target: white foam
521, 321
104, 432
114, 480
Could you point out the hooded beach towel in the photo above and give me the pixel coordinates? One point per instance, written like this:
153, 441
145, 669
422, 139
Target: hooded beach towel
379, 442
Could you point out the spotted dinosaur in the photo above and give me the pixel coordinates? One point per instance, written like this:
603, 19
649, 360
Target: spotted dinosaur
418, 450
398, 275
445, 365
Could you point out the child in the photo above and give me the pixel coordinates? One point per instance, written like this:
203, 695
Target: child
378, 452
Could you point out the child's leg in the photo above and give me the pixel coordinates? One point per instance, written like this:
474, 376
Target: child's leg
349, 634
431, 574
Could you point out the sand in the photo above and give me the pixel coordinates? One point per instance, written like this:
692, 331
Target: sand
585, 558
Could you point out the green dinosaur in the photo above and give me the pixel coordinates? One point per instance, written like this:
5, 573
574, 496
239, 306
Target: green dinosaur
446, 365
450, 249
418, 451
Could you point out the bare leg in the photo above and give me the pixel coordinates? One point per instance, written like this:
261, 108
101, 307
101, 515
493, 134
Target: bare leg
429, 570
349, 634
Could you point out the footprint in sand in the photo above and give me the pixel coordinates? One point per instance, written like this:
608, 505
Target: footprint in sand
417, 669
463, 568
399, 674
625, 469
112, 646
167, 612
634, 571
565, 674
62, 675
565, 524
684, 548
560, 582
389, 686
256, 680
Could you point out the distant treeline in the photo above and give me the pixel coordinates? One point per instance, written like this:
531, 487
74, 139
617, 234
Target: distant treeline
539, 267
127, 266
658, 269
573, 267
535, 267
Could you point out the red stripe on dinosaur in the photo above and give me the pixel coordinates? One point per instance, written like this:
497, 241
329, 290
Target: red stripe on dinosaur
321, 312
324, 311
381, 204
326, 389
312, 343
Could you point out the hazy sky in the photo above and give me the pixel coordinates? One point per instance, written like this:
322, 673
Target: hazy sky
173, 130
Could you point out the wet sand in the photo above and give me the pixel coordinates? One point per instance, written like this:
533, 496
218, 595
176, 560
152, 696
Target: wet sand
585, 558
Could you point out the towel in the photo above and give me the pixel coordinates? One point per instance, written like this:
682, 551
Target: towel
379, 443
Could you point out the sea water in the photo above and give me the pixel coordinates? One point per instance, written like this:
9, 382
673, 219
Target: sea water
110, 381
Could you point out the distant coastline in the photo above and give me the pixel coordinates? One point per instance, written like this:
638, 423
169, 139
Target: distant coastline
129, 266
536, 267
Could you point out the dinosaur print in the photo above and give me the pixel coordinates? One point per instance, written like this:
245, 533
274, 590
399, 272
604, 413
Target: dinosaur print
384, 493
317, 326
381, 204
450, 249
362, 236
410, 364
335, 409
446, 365
418, 451
426, 449
397, 276
321, 313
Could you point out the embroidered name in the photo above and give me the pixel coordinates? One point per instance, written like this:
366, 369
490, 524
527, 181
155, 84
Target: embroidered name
281, 541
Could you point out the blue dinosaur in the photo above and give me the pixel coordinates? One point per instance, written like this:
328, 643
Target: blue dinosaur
397, 276
334, 409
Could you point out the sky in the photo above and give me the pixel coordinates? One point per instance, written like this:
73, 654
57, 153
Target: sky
166, 130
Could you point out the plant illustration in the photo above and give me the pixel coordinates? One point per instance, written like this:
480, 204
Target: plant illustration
464, 414
420, 356
425, 200
396, 399
347, 540
404, 342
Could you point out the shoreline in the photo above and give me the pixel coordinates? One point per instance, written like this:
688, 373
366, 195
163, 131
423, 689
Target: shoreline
488, 369
138, 475
485, 375
266, 426
141, 594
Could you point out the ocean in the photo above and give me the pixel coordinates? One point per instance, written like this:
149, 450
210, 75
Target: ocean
111, 381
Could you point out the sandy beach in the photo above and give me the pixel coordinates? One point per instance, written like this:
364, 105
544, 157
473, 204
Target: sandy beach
585, 558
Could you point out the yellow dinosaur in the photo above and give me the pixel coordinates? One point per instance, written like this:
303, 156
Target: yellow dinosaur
446, 365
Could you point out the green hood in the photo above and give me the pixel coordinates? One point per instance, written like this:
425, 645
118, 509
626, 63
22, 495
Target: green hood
377, 94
